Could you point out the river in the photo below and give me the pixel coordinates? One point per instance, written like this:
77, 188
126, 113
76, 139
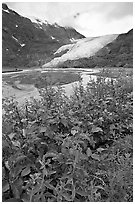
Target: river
22, 95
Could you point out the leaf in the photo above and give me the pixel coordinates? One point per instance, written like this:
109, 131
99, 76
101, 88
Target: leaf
5, 186
16, 171
109, 98
64, 122
51, 172
127, 155
48, 185
104, 156
3, 173
13, 200
85, 137
73, 132
16, 143
23, 120
36, 189
16, 191
76, 157
11, 135
73, 192
51, 154
82, 192
20, 158
26, 171
25, 197
67, 196
100, 149
16, 187
95, 156
7, 165
112, 127
5, 144
89, 152
92, 142
42, 129
96, 129
99, 187
24, 132
83, 156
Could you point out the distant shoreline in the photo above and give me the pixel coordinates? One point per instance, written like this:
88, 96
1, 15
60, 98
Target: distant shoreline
16, 70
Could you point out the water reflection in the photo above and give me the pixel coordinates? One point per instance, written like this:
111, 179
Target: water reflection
85, 79
22, 95
69, 88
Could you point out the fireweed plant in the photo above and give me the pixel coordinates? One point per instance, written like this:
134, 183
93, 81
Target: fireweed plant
78, 149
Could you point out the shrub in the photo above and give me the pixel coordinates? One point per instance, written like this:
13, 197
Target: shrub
77, 149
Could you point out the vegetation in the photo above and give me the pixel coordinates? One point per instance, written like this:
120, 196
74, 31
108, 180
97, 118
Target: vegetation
115, 72
76, 149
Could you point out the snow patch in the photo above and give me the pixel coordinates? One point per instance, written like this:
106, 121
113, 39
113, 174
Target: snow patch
73, 40
52, 37
37, 20
7, 11
15, 39
63, 48
32, 18
22, 45
46, 22
56, 25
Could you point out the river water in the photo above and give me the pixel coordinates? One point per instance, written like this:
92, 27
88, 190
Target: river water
22, 95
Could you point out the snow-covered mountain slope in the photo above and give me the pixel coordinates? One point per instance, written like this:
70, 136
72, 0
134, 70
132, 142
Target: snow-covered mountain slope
29, 41
83, 48
118, 53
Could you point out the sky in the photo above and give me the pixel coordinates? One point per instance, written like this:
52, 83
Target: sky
89, 18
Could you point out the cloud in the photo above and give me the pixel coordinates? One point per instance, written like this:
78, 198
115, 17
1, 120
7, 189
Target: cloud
29, 9
76, 15
102, 18
120, 10
102, 28
89, 18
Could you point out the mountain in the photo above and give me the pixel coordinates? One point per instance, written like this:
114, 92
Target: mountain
83, 48
96, 52
119, 53
28, 42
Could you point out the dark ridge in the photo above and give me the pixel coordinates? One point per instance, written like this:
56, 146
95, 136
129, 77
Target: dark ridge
4, 6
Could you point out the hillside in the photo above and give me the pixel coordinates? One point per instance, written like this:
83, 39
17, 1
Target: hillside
83, 48
30, 41
118, 53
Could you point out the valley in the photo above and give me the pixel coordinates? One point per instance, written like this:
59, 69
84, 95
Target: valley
67, 102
